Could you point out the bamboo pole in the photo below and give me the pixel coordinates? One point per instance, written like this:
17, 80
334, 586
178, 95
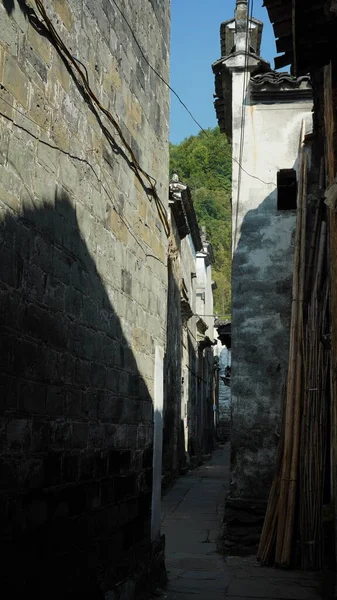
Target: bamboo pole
288, 535
282, 529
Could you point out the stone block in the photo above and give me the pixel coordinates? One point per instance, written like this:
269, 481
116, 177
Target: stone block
10, 36
93, 495
18, 434
147, 411
55, 294
89, 311
9, 387
70, 467
21, 163
52, 469
74, 400
68, 173
40, 44
32, 397
80, 435
63, 10
74, 303
123, 383
44, 325
112, 379
96, 435
107, 491
62, 265
37, 513
15, 81
41, 435
60, 132
82, 372
34, 66
61, 435
55, 404
87, 467
109, 407
90, 404
41, 253
49, 156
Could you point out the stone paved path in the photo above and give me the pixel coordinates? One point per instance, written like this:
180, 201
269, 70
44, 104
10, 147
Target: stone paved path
192, 513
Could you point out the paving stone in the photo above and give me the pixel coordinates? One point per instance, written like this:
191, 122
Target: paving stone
194, 507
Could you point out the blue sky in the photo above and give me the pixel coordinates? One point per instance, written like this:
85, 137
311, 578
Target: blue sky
195, 45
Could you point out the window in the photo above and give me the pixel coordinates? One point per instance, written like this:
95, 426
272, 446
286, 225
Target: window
286, 189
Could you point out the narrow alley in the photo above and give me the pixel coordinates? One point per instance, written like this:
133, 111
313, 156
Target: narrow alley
192, 514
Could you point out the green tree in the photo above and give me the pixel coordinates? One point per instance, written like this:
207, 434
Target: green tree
204, 163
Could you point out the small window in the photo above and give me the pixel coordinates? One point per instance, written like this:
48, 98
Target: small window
286, 189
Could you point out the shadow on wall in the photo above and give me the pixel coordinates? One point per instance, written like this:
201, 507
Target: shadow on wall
76, 463
9, 6
261, 305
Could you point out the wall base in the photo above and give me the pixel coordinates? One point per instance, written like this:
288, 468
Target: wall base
243, 525
150, 575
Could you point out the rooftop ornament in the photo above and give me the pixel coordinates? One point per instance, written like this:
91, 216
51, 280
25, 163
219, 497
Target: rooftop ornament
224, 329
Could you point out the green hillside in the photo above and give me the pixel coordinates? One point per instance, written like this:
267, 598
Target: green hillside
204, 163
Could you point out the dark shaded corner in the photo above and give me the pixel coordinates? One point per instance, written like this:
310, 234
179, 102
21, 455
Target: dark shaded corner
172, 379
76, 418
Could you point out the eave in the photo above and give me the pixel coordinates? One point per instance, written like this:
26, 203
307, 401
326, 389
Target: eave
305, 32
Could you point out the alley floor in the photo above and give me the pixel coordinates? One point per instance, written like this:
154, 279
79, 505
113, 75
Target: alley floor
192, 514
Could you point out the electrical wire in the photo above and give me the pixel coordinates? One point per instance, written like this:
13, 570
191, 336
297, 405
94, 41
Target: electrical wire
85, 80
178, 97
155, 70
140, 172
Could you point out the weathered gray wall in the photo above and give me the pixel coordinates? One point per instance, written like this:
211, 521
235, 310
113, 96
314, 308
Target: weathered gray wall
83, 288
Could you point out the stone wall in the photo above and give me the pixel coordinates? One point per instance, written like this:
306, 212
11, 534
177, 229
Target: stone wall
83, 283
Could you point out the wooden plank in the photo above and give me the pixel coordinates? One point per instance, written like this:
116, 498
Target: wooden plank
284, 60
283, 28
280, 13
294, 36
329, 124
284, 44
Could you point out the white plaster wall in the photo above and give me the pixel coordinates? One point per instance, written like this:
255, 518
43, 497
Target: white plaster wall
271, 142
261, 284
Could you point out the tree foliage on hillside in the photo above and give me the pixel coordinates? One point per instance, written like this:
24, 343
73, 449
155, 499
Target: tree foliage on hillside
203, 162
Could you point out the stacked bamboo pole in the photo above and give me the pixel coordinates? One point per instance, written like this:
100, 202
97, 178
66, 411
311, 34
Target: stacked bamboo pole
314, 419
293, 522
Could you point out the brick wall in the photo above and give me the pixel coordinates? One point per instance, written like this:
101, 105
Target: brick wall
82, 291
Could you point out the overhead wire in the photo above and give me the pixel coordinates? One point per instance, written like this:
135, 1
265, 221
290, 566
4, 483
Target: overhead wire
39, 3
85, 81
155, 70
177, 95
140, 172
